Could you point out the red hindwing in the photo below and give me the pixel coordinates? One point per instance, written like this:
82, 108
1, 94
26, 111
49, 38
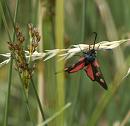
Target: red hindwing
89, 72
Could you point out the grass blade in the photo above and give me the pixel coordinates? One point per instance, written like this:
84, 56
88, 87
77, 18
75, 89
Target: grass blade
10, 71
59, 37
55, 115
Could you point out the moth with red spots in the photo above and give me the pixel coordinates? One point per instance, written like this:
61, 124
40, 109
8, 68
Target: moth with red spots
89, 63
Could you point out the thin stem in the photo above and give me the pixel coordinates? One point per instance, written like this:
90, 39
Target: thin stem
55, 115
59, 37
41, 81
27, 103
10, 71
15, 14
38, 100
4, 20
8, 95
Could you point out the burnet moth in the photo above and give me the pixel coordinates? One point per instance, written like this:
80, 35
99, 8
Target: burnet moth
90, 64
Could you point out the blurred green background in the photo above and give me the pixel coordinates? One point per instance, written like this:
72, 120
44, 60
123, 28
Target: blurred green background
91, 104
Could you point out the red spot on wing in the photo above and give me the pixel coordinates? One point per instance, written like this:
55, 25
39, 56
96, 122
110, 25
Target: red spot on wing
98, 74
89, 71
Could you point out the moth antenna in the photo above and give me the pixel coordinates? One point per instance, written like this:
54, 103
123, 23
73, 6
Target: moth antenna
89, 47
94, 39
81, 49
98, 46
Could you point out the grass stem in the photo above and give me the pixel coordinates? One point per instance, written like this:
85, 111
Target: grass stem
11, 63
59, 37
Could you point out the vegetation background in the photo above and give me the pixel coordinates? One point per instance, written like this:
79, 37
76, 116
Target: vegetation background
91, 105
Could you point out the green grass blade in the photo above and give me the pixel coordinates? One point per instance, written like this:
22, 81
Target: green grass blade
11, 63
56, 114
38, 100
4, 20
59, 37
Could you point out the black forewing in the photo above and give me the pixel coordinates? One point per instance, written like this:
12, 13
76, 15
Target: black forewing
98, 76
